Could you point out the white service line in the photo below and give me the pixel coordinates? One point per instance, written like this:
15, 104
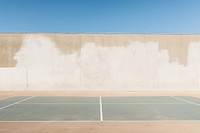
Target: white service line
101, 109
104, 103
144, 103
58, 103
16, 102
186, 101
5, 98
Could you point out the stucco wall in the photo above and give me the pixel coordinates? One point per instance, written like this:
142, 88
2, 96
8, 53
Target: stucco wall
118, 62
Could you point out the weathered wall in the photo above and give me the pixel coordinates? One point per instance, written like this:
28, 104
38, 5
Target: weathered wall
133, 62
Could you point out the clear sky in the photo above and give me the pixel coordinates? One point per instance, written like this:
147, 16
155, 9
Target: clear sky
127, 16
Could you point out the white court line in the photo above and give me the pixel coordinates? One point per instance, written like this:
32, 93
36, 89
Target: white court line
101, 109
186, 101
145, 103
196, 96
107, 121
104, 103
16, 103
63, 96
58, 103
5, 98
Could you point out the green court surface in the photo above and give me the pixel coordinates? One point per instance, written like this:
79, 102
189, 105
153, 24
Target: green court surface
132, 108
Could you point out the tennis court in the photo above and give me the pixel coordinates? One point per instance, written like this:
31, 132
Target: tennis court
99, 108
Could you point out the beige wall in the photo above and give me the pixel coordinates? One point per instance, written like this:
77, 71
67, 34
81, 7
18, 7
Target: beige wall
135, 62
177, 45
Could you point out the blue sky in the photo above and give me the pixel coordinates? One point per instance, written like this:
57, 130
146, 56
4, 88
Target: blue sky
94, 16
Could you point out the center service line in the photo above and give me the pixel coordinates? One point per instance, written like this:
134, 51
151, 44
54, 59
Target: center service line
101, 110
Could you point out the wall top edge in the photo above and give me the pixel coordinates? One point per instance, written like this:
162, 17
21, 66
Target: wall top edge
98, 33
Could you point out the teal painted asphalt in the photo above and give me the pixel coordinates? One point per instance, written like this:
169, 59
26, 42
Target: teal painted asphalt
132, 108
